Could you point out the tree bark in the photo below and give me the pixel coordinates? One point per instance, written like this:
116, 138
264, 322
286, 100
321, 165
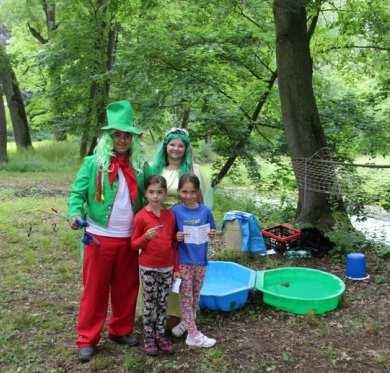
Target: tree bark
105, 45
303, 130
186, 116
54, 80
102, 101
3, 130
15, 102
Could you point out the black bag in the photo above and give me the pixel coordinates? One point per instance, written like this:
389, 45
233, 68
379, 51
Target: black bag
314, 241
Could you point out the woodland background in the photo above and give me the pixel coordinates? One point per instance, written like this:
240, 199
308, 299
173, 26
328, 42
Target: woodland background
258, 84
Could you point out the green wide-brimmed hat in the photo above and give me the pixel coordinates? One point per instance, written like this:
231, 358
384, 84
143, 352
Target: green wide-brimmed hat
120, 116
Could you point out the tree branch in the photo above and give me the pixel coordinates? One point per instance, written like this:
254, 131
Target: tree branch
239, 63
252, 124
249, 18
208, 83
37, 35
350, 46
262, 100
313, 23
263, 63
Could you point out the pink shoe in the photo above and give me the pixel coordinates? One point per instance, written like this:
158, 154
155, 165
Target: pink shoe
164, 344
150, 347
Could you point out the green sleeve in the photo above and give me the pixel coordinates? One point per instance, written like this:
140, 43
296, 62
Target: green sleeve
79, 190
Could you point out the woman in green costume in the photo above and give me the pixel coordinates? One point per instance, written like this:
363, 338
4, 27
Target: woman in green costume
173, 159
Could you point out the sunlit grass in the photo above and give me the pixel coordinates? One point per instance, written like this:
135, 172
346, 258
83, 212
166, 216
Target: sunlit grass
44, 156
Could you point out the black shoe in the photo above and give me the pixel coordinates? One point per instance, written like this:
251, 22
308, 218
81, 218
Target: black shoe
128, 340
86, 353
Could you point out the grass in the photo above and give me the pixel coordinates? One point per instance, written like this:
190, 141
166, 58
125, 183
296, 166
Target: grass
45, 156
40, 288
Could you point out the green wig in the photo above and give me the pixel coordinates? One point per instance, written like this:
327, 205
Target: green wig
160, 160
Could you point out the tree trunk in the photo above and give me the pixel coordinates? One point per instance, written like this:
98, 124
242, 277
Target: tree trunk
303, 130
54, 80
105, 43
15, 102
186, 115
3, 130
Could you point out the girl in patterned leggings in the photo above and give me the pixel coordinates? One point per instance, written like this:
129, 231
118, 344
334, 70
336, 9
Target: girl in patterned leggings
154, 234
194, 223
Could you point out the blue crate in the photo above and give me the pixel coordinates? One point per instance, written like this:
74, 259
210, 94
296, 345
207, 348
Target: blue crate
226, 286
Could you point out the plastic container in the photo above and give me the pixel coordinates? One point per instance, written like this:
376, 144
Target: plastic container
226, 286
232, 235
281, 237
300, 290
355, 268
297, 254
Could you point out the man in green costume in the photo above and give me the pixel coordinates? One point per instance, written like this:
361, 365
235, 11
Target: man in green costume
107, 192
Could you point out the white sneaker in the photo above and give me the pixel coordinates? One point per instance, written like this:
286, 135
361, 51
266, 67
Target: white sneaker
200, 341
179, 329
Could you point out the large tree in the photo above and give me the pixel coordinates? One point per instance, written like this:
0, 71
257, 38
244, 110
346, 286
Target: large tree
103, 20
54, 77
304, 133
14, 101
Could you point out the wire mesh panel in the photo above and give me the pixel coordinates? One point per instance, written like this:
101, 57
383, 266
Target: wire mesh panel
317, 173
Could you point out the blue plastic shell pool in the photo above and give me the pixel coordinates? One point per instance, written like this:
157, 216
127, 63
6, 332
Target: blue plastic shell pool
226, 286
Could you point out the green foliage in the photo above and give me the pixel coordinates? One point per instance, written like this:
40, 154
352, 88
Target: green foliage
204, 152
206, 65
269, 211
346, 241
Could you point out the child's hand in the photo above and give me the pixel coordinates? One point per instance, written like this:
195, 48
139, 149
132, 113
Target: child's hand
212, 233
180, 236
151, 232
176, 275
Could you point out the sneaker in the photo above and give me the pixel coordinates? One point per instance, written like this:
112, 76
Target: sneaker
150, 347
179, 329
164, 344
200, 341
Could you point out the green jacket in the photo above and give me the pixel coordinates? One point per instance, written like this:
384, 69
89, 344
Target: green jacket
82, 196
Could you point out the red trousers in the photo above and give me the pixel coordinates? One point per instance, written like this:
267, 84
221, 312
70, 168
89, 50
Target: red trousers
110, 269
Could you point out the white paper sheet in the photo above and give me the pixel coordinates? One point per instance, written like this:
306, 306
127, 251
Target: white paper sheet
176, 286
196, 235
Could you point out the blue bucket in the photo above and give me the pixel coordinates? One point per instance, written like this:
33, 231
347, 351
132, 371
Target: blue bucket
356, 267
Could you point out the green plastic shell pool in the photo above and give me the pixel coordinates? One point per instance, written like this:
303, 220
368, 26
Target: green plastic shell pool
300, 290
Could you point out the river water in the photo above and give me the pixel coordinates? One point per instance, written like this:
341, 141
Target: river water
376, 226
